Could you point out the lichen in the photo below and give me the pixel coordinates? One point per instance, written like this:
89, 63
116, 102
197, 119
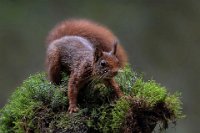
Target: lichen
39, 106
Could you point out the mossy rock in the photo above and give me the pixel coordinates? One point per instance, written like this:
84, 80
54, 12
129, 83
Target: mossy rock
39, 106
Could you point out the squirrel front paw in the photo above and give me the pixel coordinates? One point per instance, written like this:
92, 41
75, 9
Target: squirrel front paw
72, 109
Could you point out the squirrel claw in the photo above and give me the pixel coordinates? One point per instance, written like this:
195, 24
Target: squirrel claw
72, 109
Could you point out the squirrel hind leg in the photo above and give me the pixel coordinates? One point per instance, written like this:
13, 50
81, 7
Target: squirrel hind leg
54, 67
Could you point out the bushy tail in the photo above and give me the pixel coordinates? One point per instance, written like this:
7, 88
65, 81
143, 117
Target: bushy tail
98, 35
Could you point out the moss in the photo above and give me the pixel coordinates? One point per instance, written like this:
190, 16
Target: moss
173, 103
149, 91
39, 106
119, 113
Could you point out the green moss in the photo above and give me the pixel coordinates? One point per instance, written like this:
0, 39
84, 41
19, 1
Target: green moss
39, 106
71, 123
119, 113
149, 91
174, 104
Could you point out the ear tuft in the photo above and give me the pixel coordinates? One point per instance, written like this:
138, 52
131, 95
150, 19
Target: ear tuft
114, 49
97, 54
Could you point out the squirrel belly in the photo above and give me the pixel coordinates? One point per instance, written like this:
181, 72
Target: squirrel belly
85, 50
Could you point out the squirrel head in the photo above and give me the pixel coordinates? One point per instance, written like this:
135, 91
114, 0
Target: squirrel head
106, 64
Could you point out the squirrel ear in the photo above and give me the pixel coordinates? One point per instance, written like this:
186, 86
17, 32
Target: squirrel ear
97, 54
114, 49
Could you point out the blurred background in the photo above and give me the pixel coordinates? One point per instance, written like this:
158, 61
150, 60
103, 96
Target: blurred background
161, 38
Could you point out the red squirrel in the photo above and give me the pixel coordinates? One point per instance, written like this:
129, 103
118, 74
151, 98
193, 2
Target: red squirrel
86, 51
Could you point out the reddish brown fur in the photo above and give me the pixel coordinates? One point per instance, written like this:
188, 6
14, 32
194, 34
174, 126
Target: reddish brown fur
96, 33
81, 47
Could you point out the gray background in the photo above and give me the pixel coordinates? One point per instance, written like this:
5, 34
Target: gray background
160, 36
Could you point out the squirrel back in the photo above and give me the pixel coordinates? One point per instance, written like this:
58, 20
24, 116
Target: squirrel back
97, 34
88, 52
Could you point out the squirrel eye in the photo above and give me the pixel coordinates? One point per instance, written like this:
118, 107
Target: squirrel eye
103, 63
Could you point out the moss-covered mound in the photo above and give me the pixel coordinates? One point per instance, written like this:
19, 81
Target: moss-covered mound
39, 106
